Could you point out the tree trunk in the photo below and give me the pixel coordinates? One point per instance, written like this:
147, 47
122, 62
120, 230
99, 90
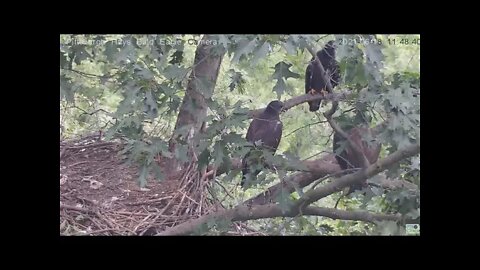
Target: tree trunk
193, 109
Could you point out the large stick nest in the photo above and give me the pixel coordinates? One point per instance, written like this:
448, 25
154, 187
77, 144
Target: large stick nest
100, 194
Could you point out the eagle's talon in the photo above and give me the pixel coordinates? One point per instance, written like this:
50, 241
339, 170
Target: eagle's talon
323, 92
312, 91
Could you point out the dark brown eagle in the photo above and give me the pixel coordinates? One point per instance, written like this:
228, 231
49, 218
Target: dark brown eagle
313, 78
266, 128
347, 158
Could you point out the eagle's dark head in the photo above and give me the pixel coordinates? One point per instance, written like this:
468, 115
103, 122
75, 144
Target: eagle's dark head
329, 48
274, 107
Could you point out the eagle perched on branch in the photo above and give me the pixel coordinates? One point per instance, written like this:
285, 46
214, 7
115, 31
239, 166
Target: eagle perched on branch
266, 128
347, 158
314, 83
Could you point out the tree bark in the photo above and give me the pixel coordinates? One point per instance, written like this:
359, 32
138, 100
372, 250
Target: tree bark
193, 109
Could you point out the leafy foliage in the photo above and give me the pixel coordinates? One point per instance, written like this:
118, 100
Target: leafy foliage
133, 86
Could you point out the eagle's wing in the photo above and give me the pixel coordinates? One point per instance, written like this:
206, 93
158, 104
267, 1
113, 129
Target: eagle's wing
268, 131
272, 135
308, 78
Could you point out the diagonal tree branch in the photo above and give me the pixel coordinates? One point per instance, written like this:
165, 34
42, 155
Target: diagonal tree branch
347, 180
295, 101
246, 212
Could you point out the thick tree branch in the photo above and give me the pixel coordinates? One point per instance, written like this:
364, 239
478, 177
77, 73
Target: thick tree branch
318, 168
347, 180
295, 101
246, 212
243, 213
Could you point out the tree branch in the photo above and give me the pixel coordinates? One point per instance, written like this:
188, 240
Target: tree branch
315, 169
243, 213
246, 212
347, 180
295, 101
90, 75
318, 168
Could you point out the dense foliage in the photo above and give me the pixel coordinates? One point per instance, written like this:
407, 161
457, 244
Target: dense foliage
133, 86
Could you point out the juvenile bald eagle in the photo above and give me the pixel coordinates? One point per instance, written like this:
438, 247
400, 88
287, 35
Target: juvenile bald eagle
266, 128
314, 84
347, 158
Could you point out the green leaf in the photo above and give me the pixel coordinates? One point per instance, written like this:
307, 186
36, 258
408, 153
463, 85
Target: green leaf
127, 52
224, 41
63, 60
279, 88
167, 90
290, 46
144, 73
260, 52
160, 146
284, 200
181, 152
237, 80
244, 47
177, 57
233, 138
151, 107
413, 214
80, 54
204, 159
374, 54
282, 70
415, 163
174, 72
66, 89
218, 150
388, 228
111, 50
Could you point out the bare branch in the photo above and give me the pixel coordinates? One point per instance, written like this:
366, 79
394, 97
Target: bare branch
90, 75
311, 124
288, 104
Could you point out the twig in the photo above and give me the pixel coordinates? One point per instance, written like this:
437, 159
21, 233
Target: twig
79, 209
311, 124
149, 201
